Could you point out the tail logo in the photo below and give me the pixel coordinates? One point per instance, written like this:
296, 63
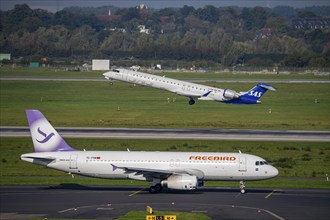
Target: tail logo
255, 93
47, 137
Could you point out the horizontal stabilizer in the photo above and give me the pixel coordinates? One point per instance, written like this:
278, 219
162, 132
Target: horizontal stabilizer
266, 86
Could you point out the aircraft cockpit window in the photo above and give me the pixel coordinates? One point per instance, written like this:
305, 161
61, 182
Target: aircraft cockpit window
114, 70
261, 163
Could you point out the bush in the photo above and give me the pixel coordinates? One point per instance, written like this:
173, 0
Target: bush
285, 162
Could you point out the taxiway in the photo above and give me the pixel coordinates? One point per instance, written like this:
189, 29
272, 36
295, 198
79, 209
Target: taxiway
103, 202
188, 134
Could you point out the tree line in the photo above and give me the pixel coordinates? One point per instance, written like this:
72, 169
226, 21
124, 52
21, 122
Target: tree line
227, 35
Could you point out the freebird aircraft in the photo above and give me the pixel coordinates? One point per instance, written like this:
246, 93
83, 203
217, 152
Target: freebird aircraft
173, 170
191, 90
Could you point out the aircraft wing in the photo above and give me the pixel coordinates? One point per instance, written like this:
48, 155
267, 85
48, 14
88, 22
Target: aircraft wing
191, 95
159, 173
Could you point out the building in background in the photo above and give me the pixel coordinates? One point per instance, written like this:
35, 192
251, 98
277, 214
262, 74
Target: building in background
100, 64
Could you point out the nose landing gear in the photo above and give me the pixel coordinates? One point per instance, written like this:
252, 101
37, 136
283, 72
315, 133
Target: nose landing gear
242, 186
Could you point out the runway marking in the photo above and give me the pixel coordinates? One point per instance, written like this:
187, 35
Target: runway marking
104, 209
136, 192
66, 210
273, 214
264, 210
271, 193
238, 195
199, 211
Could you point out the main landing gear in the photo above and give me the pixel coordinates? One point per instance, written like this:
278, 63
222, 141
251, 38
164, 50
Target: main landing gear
156, 188
242, 186
191, 101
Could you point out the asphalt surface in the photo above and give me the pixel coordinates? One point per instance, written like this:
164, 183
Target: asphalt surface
193, 134
103, 202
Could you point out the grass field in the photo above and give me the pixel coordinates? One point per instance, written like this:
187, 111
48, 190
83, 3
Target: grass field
100, 104
293, 159
65, 73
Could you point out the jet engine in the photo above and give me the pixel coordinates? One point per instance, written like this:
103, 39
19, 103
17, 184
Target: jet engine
230, 94
181, 182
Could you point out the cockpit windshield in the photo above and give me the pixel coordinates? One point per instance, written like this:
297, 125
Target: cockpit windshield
260, 163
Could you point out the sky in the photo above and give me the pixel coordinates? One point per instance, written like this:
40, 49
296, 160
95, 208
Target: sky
57, 5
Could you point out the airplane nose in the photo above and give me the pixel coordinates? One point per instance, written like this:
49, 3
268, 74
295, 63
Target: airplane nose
275, 172
106, 75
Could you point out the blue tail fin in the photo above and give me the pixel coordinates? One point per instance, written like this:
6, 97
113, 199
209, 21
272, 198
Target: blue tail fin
45, 138
253, 95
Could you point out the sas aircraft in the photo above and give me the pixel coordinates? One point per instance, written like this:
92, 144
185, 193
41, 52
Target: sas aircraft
191, 90
172, 170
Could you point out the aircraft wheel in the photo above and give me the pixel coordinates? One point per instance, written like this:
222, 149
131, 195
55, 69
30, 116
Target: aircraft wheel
152, 189
158, 187
191, 102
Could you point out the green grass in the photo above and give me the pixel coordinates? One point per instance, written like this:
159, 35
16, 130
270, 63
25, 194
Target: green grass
67, 73
293, 159
99, 104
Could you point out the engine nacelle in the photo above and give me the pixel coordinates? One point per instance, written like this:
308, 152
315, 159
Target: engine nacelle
181, 182
230, 94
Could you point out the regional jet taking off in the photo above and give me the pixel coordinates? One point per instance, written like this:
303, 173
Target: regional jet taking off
173, 170
191, 90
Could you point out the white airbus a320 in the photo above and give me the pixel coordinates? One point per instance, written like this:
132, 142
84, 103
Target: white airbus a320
173, 170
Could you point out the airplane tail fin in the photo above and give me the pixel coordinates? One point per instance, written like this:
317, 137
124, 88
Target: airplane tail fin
44, 136
253, 95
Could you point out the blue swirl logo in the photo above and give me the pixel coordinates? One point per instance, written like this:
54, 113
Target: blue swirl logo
47, 137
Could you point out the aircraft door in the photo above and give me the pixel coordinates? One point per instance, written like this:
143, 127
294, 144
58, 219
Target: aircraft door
242, 164
186, 87
73, 161
129, 77
175, 163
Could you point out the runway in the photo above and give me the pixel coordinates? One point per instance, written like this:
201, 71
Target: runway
103, 202
187, 134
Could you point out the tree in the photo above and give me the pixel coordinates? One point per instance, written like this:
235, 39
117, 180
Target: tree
237, 50
144, 46
208, 13
83, 40
255, 18
188, 45
203, 46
